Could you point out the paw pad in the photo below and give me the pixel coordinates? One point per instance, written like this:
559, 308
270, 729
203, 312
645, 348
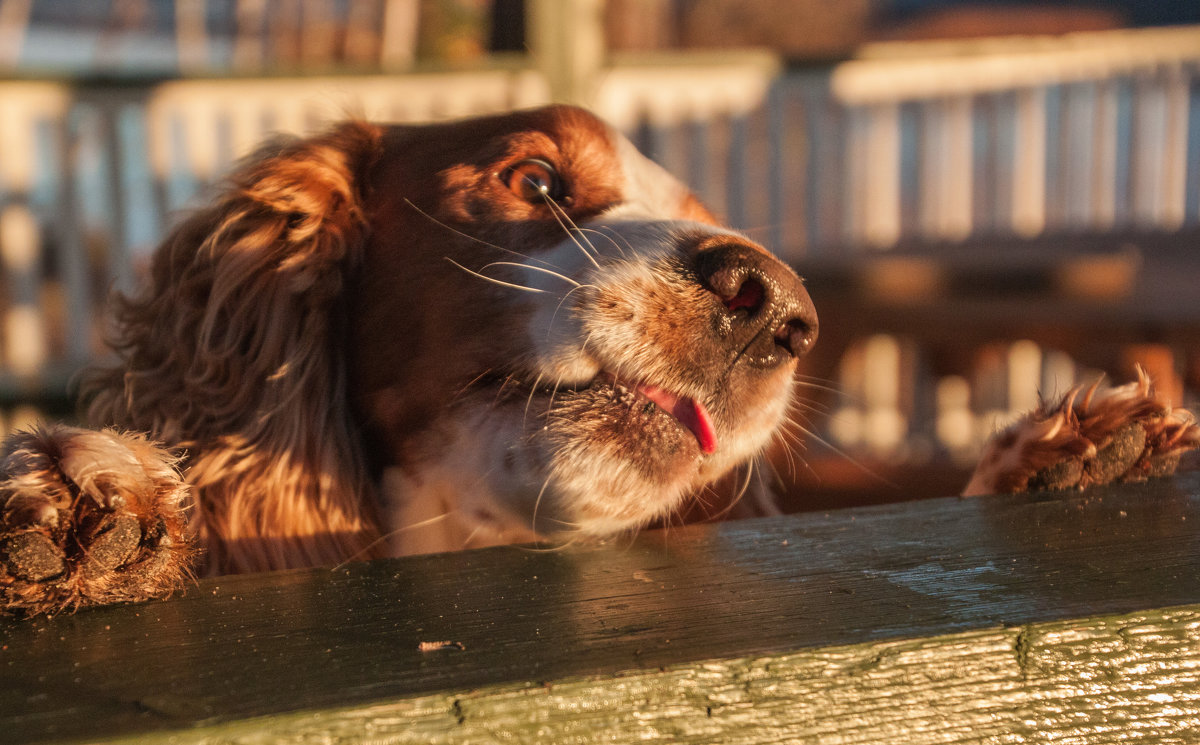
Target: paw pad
32, 557
88, 517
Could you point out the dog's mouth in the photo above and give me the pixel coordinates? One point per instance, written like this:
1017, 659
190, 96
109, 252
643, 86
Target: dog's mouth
644, 402
688, 412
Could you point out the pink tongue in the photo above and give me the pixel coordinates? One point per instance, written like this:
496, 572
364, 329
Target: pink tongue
688, 411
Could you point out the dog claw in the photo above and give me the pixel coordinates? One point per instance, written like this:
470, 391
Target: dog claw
1062, 475
1116, 458
1120, 435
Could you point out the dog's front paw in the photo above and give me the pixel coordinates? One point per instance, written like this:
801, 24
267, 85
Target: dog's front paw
88, 517
1088, 437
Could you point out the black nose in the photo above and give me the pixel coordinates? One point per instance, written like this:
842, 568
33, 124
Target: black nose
767, 314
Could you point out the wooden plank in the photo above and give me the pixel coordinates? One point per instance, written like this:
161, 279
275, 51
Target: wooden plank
1000, 685
987, 620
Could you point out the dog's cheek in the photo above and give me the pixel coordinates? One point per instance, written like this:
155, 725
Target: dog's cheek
417, 342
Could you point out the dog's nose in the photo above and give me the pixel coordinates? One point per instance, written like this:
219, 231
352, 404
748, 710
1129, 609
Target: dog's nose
768, 313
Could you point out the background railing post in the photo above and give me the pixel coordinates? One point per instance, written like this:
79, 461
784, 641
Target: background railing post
567, 41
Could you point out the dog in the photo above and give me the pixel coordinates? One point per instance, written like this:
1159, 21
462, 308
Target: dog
387, 340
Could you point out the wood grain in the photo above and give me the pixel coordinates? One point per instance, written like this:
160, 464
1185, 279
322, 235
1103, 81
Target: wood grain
1071, 618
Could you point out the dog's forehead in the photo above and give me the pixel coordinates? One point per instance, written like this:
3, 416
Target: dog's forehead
557, 130
591, 152
646, 189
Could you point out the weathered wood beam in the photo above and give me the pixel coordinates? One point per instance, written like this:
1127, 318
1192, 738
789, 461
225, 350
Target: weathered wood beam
1064, 618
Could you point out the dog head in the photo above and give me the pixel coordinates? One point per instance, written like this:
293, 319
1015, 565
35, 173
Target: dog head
549, 333
528, 326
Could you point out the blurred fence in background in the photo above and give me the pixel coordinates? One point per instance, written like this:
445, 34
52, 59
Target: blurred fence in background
161, 37
926, 142
943, 140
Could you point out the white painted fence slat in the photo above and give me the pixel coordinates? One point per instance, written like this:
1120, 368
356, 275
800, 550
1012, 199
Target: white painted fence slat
1175, 148
1029, 163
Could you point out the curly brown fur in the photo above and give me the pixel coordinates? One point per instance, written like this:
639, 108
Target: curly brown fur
89, 517
230, 356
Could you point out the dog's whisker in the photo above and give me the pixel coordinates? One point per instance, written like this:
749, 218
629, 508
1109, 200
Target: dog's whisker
791, 446
768, 464
811, 436
451, 228
810, 407
791, 440
561, 301
446, 226
703, 497
466, 543
823, 387
466, 388
609, 238
568, 227
738, 495
529, 400
495, 281
793, 456
480, 241
537, 503
799, 410
581, 233
613, 236
550, 272
767, 502
553, 393
504, 384
559, 545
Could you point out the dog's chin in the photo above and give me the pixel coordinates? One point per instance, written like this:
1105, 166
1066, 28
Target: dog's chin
594, 458
614, 454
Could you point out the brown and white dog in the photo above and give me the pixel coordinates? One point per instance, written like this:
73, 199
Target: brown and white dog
388, 340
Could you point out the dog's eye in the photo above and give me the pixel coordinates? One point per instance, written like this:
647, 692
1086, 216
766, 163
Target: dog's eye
533, 180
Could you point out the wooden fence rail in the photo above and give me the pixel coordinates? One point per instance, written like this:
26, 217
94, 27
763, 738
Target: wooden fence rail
1069, 618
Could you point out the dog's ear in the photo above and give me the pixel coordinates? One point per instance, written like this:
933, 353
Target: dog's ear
233, 355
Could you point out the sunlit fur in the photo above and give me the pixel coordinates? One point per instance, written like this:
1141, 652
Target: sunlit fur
547, 316
230, 357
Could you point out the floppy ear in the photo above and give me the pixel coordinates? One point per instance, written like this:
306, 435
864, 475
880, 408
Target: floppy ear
234, 355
